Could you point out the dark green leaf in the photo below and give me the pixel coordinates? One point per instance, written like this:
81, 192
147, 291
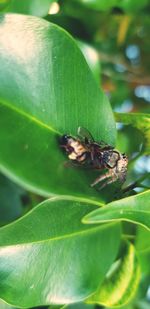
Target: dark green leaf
129, 6
49, 256
121, 283
46, 89
127, 142
99, 4
132, 6
139, 121
11, 206
134, 209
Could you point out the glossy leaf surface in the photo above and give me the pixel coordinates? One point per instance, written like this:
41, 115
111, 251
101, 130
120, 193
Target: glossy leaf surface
121, 284
49, 256
46, 89
134, 209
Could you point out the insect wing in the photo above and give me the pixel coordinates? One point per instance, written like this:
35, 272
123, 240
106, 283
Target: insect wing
85, 134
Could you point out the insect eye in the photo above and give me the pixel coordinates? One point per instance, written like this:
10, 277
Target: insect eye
64, 139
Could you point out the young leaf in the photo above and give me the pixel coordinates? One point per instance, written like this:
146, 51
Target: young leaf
46, 89
50, 257
121, 284
139, 121
134, 209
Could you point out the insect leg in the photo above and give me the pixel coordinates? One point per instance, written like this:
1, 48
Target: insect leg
107, 182
100, 178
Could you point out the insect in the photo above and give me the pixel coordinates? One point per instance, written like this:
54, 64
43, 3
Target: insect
83, 150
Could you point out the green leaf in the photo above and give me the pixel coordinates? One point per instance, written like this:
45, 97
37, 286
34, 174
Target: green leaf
92, 58
132, 6
134, 209
30, 7
50, 257
142, 245
11, 206
127, 142
139, 121
121, 283
129, 6
99, 4
3, 4
142, 242
144, 258
46, 89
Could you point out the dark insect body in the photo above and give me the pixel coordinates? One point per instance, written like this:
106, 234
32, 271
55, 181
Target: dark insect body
84, 151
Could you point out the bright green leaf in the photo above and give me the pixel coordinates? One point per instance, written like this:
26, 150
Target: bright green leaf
134, 209
46, 87
121, 284
49, 256
30, 7
139, 121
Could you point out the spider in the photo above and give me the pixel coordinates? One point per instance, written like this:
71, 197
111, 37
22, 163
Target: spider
83, 150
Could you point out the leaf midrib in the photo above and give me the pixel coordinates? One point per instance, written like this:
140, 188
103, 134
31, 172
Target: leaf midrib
125, 211
31, 118
117, 220
66, 236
